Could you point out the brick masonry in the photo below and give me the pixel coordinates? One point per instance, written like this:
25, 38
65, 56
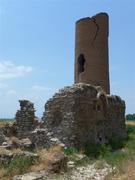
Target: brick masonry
91, 51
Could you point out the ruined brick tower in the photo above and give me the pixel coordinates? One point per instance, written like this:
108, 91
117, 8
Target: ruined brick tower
91, 51
83, 113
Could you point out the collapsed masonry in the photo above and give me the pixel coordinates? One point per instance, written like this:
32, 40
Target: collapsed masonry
81, 114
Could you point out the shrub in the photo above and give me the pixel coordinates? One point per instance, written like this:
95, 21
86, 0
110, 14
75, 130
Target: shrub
96, 150
116, 143
70, 151
18, 165
130, 129
116, 158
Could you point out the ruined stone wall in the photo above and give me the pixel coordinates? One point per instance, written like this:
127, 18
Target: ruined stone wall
82, 114
116, 117
25, 118
91, 51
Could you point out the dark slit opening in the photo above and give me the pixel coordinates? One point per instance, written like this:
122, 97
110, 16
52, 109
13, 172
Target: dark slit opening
81, 62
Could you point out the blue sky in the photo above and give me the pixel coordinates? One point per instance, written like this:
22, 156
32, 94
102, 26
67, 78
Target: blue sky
37, 49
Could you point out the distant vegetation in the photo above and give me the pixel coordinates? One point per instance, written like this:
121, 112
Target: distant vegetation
130, 117
6, 119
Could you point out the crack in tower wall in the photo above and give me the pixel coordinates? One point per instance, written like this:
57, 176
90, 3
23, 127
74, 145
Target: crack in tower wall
97, 29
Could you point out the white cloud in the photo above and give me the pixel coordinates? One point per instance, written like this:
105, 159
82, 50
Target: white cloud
3, 86
11, 92
40, 88
9, 70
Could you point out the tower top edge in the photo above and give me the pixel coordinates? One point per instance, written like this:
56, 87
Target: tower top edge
95, 16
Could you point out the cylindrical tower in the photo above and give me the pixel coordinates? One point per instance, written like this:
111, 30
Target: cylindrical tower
91, 51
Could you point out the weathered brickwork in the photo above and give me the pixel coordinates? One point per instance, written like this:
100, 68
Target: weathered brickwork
91, 51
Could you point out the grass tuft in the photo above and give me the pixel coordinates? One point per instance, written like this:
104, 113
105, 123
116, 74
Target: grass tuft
46, 157
70, 151
18, 165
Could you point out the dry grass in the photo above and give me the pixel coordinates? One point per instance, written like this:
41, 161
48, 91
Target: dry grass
2, 173
127, 172
3, 122
46, 157
130, 122
15, 151
2, 150
14, 140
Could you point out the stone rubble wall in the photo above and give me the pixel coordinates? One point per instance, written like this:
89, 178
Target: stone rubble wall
75, 116
25, 118
81, 114
116, 126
